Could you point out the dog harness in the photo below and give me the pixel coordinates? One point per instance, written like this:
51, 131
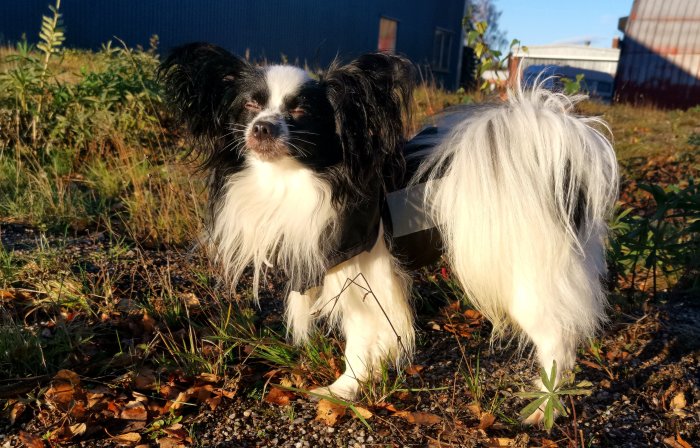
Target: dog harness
412, 235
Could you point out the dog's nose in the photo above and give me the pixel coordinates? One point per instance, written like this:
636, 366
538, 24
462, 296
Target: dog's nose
265, 130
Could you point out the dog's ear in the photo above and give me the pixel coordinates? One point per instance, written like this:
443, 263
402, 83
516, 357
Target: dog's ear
201, 82
372, 100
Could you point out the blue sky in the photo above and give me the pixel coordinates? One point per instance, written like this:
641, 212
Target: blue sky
541, 22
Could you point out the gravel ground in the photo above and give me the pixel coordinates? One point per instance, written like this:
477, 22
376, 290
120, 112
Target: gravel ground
651, 358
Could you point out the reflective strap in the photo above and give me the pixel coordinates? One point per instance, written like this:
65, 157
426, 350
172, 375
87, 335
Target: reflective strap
408, 210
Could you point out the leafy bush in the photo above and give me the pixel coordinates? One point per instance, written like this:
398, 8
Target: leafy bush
662, 245
86, 146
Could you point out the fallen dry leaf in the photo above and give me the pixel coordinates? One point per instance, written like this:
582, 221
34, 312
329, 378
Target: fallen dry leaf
677, 442
148, 323
278, 396
169, 442
66, 395
472, 314
134, 410
30, 440
227, 393
463, 330
414, 369
129, 438
78, 429
135, 416
61, 395
145, 379
678, 401
213, 402
208, 377
419, 418
17, 411
500, 442
177, 431
298, 381
181, 400
487, 420
191, 300
329, 412
590, 364
546, 443
67, 376
364, 412
202, 392
475, 409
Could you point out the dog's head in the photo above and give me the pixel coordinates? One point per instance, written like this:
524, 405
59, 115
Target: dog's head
348, 123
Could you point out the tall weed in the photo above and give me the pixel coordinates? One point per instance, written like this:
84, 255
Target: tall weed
85, 147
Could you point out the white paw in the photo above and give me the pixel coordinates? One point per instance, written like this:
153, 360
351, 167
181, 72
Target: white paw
345, 388
537, 417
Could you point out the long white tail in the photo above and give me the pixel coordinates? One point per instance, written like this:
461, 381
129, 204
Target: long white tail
521, 191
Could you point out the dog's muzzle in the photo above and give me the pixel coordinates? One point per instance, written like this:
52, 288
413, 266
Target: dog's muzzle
265, 139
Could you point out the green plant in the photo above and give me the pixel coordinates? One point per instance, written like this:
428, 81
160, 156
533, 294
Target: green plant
380, 388
157, 428
572, 86
8, 267
694, 139
663, 244
595, 349
552, 395
52, 39
487, 57
28, 351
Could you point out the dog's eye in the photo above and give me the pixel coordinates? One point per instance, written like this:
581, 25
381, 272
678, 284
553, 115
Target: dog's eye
297, 112
253, 105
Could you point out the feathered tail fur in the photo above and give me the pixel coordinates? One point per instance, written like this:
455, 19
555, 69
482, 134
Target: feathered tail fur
521, 191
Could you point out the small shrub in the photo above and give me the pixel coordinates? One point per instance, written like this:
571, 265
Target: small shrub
662, 244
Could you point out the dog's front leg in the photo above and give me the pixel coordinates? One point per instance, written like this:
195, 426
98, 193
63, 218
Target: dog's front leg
367, 298
298, 314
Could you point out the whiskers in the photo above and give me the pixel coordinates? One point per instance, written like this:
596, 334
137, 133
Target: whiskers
236, 132
295, 139
295, 144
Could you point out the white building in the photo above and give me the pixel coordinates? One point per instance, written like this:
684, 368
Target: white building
578, 56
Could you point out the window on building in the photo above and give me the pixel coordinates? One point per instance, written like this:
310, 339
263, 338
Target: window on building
387, 35
604, 87
442, 44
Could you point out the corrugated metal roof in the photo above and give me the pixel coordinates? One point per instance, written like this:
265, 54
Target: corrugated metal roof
660, 54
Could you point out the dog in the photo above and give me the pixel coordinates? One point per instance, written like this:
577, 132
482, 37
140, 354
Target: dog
313, 176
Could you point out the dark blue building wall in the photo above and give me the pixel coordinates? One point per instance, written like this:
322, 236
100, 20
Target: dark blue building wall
309, 32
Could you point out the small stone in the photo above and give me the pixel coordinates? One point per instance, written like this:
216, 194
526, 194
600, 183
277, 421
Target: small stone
247, 413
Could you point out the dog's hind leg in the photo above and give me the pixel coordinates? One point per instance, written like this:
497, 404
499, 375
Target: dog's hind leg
367, 298
561, 309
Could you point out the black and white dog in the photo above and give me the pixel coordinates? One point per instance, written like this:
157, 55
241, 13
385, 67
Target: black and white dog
314, 177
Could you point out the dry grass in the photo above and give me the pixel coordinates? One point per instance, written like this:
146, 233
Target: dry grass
647, 131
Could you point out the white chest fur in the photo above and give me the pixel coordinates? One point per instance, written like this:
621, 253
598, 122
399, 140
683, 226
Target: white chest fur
274, 214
